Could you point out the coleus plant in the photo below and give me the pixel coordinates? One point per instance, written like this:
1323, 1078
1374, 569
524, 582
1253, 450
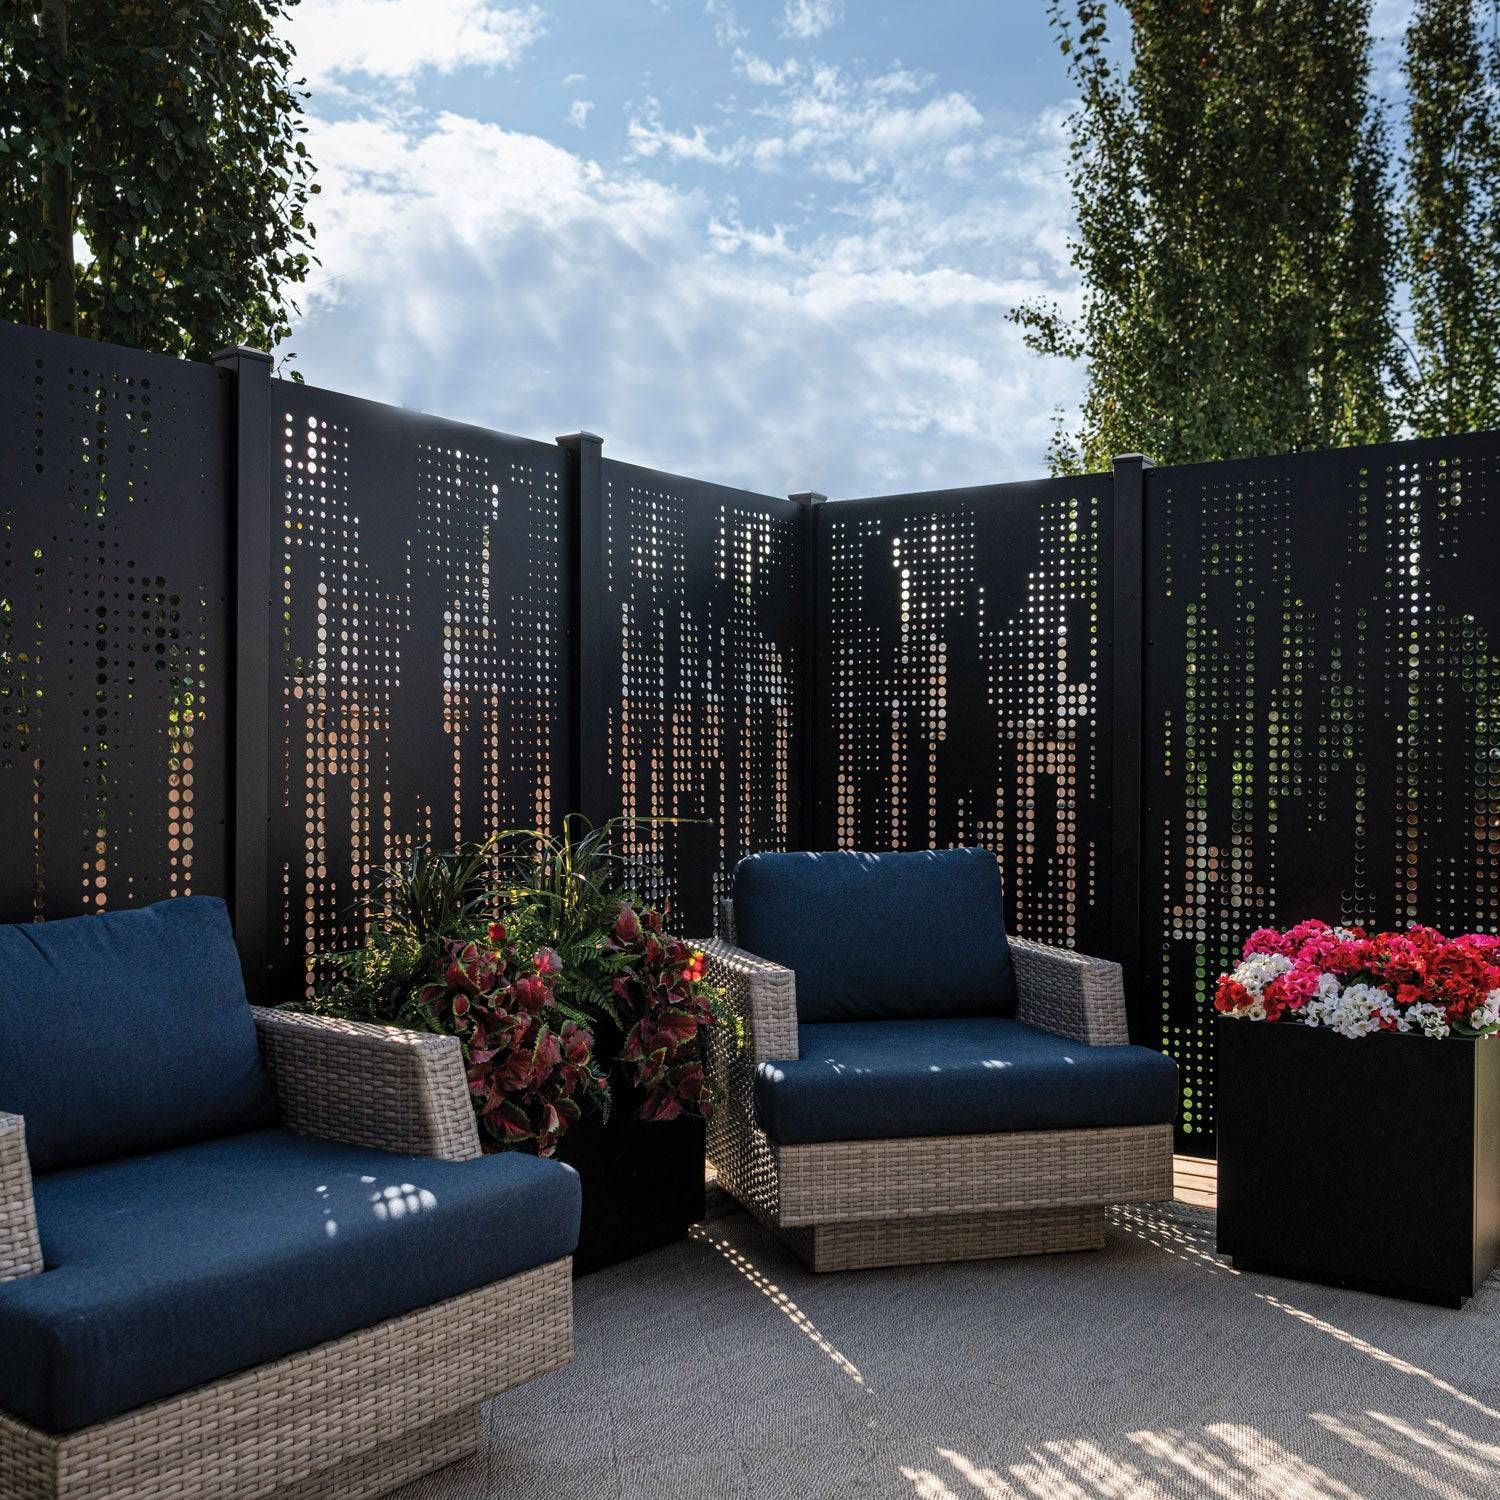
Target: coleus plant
662, 994
531, 1069
620, 966
577, 979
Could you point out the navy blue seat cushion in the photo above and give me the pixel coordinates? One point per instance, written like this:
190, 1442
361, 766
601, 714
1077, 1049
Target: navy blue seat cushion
126, 1032
889, 1080
170, 1270
880, 936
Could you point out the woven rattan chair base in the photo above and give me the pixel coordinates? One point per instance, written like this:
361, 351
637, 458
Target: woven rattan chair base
837, 1181
354, 1417
910, 1242
381, 1470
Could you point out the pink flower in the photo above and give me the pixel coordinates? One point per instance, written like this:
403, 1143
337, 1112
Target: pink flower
1299, 984
1266, 940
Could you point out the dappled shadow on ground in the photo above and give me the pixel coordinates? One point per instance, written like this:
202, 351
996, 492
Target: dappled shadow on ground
1374, 1453
1149, 1369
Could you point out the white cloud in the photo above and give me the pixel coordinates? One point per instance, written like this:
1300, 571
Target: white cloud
729, 236
494, 277
395, 40
900, 131
808, 19
573, 78
758, 70
649, 137
727, 28
579, 111
842, 128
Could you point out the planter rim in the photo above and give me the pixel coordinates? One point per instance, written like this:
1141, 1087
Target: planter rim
1328, 1031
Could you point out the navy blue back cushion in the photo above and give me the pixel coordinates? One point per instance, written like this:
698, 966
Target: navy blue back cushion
880, 936
126, 1032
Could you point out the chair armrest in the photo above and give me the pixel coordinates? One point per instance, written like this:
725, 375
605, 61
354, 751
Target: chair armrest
20, 1246
762, 994
1070, 994
377, 1086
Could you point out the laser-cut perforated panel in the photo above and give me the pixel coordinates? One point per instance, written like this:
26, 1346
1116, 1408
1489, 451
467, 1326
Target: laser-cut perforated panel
420, 670
1323, 710
703, 603
963, 688
114, 651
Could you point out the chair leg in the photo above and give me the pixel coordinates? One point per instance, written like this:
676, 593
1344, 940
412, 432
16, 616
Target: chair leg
862, 1244
394, 1463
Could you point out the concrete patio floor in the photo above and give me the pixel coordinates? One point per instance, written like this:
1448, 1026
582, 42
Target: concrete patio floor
1150, 1370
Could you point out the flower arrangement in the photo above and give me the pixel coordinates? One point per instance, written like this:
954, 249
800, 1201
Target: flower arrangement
1355, 984
533, 952
530, 1069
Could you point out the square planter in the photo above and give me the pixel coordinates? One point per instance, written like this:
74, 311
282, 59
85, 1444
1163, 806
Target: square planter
1372, 1163
643, 1182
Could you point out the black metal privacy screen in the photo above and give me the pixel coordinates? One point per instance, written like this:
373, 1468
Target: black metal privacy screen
963, 689
261, 639
701, 604
115, 639
420, 657
1322, 694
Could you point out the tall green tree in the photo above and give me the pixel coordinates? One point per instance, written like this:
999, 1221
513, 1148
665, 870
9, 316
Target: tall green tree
1451, 216
1234, 238
168, 135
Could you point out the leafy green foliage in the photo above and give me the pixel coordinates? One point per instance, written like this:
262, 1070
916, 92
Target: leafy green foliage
566, 892
190, 179
1234, 238
417, 908
1451, 217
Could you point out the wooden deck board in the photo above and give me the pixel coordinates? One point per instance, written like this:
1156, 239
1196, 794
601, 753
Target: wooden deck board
1195, 1180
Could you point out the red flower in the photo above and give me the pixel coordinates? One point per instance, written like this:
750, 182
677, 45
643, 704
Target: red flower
496, 932
1231, 995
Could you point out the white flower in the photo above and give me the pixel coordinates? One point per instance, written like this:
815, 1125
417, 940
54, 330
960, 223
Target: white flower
1354, 1012
1257, 971
1488, 1014
1431, 1020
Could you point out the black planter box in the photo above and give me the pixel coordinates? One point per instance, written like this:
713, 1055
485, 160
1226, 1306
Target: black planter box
1371, 1162
642, 1183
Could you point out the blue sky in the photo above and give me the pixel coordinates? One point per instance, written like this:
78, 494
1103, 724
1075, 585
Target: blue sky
768, 242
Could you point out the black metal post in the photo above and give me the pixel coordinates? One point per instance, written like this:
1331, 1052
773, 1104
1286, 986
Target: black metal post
810, 831
250, 671
595, 683
1128, 708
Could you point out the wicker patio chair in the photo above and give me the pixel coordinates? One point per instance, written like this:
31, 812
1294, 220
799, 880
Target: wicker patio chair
845, 1204
354, 1416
